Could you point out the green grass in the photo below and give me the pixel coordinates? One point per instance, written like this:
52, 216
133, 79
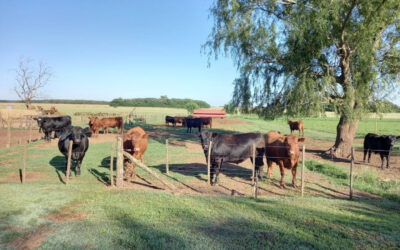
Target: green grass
120, 219
128, 218
365, 179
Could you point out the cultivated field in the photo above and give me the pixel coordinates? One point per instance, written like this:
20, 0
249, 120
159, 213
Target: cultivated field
88, 213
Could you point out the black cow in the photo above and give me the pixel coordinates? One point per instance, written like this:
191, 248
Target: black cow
382, 144
80, 144
50, 124
169, 119
192, 123
232, 148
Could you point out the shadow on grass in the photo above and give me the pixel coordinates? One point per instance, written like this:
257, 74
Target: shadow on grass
59, 164
198, 169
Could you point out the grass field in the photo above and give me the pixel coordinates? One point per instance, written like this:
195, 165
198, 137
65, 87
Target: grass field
47, 214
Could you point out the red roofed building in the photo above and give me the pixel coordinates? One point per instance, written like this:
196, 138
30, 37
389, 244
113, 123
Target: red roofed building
214, 113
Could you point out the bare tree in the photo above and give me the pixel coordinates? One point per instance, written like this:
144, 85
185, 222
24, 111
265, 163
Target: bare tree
30, 80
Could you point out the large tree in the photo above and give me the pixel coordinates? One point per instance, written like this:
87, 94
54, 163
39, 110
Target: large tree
298, 56
31, 80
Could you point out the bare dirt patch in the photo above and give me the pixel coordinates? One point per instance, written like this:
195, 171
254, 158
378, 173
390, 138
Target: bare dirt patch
30, 176
17, 136
67, 214
31, 240
228, 121
316, 150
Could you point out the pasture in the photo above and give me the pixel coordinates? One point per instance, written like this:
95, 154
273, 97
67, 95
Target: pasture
88, 213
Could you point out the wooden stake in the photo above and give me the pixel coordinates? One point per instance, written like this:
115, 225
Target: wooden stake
302, 170
8, 133
167, 158
69, 162
254, 164
30, 130
351, 173
120, 162
208, 164
140, 164
24, 165
112, 164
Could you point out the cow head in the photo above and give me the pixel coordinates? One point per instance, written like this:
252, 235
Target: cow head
292, 147
39, 121
391, 140
205, 138
77, 134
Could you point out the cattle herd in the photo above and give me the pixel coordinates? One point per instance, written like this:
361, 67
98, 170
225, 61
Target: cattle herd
283, 150
189, 122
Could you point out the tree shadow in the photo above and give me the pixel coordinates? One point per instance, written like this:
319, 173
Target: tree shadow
325, 156
198, 169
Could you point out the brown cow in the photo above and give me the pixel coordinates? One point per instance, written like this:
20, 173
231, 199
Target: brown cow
95, 125
284, 151
179, 119
110, 122
296, 125
135, 143
206, 121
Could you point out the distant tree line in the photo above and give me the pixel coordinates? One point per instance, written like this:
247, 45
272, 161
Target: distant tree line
162, 102
60, 101
373, 107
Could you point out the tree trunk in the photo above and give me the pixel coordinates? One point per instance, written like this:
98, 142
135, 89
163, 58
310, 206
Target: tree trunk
345, 133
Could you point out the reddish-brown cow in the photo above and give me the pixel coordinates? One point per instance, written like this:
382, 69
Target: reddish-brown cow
111, 122
179, 119
296, 125
284, 151
95, 125
206, 121
135, 143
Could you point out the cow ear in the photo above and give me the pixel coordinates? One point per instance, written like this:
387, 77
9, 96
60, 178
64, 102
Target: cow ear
145, 136
87, 131
302, 139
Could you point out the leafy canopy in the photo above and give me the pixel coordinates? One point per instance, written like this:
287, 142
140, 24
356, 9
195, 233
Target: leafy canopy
300, 56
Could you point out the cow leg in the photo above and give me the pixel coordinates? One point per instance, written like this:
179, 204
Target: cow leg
365, 153
294, 173
128, 167
388, 161
78, 168
219, 164
369, 155
282, 168
212, 170
382, 160
269, 172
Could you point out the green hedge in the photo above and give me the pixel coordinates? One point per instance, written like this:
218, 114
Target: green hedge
157, 102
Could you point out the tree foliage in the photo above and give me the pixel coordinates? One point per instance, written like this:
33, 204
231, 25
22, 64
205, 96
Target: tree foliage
299, 56
163, 101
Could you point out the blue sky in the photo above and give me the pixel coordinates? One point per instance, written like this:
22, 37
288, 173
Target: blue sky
101, 50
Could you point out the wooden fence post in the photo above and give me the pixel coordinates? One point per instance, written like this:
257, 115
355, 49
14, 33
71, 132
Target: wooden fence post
69, 162
8, 133
208, 164
112, 164
254, 164
167, 158
351, 173
255, 178
30, 130
302, 169
24, 165
120, 163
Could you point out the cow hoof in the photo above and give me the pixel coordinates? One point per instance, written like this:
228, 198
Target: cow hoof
283, 186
